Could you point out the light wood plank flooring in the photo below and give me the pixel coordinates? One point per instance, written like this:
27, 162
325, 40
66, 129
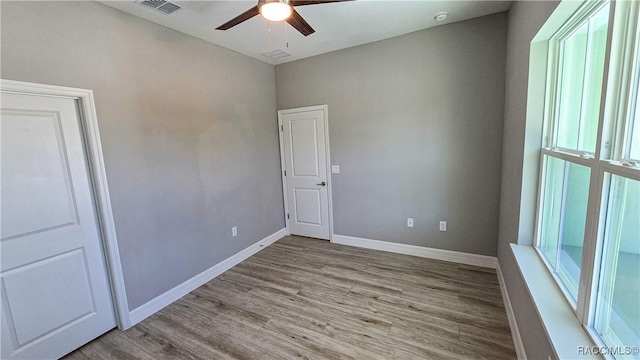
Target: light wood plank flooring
310, 299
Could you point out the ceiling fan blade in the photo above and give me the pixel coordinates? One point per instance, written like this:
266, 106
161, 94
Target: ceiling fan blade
240, 18
300, 24
313, 2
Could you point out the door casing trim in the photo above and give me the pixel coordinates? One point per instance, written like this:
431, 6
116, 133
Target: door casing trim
325, 110
97, 173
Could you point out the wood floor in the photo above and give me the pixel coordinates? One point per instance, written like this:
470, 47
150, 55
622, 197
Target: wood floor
310, 299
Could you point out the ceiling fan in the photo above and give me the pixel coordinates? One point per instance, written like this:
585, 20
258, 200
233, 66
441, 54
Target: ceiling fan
278, 10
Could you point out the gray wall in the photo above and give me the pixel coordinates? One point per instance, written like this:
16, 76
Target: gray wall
415, 124
189, 133
191, 149
525, 19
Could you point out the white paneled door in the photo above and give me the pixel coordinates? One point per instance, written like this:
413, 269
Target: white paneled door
55, 293
305, 164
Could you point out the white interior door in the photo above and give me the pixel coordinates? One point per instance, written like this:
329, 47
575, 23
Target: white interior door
55, 293
305, 164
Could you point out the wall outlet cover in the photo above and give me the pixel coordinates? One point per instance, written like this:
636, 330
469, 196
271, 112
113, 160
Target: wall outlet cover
234, 231
443, 226
409, 222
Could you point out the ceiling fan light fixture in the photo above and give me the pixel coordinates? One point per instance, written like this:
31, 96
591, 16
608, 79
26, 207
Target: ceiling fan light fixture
276, 11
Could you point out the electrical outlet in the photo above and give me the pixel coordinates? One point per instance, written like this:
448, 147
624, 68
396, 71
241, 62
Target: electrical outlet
234, 231
443, 226
409, 222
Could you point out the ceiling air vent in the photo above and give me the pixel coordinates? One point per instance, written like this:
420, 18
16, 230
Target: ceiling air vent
275, 54
164, 6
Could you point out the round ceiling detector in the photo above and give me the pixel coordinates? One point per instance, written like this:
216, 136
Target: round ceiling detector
441, 16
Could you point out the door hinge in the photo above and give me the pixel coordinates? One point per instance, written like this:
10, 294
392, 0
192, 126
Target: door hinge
287, 215
285, 173
281, 127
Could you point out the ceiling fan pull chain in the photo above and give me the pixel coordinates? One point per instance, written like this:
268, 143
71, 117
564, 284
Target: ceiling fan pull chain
286, 34
269, 30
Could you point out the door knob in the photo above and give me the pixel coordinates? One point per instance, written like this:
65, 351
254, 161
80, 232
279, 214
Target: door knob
322, 183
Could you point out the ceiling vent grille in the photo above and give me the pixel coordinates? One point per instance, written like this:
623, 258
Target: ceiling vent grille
164, 6
275, 54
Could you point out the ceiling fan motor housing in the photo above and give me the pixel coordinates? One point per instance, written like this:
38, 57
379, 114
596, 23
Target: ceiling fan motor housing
278, 10
263, 2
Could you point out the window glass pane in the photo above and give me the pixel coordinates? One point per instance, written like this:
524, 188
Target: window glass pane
618, 297
634, 126
564, 213
581, 68
574, 53
551, 209
593, 80
634, 118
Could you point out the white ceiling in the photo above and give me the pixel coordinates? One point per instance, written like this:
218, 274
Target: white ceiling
337, 25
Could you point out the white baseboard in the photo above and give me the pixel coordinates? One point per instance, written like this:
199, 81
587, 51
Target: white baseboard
421, 251
143, 311
513, 325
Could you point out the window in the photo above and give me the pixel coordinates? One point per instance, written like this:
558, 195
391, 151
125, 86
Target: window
632, 151
588, 218
564, 214
575, 86
581, 66
617, 317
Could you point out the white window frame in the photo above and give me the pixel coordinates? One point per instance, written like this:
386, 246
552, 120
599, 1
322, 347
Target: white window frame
612, 145
549, 149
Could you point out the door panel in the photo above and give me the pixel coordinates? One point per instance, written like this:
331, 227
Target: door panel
304, 147
305, 158
40, 174
307, 207
40, 304
55, 289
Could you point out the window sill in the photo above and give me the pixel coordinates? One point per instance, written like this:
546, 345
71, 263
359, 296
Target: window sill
563, 329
